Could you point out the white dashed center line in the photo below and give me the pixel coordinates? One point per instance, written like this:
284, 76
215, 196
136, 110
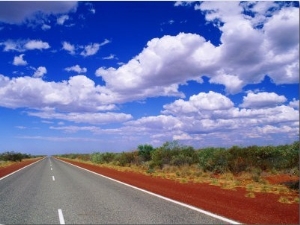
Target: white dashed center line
53, 178
61, 217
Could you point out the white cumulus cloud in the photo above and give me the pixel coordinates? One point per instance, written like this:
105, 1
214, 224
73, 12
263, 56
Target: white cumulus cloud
46, 27
85, 50
40, 72
77, 69
154, 123
19, 61
221, 124
197, 103
24, 45
294, 103
62, 19
91, 49
77, 94
36, 44
68, 47
166, 61
239, 60
262, 100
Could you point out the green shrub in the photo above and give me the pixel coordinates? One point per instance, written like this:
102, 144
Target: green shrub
97, 158
218, 160
84, 157
145, 152
108, 157
221, 161
126, 158
213, 160
190, 153
12, 156
172, 153
181, 160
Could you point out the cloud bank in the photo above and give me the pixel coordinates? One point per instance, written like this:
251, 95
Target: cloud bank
251, 47
241, 59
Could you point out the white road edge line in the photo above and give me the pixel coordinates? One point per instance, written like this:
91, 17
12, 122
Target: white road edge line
20, 169
61, 217
162, 197
53, 178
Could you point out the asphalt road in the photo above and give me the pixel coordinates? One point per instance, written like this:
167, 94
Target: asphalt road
54, 192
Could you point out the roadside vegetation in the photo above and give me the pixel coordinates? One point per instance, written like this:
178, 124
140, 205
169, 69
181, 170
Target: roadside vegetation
10, 157
230, 168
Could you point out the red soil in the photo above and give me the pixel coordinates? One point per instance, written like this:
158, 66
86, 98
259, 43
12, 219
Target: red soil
18, 165
281, 178
263, 209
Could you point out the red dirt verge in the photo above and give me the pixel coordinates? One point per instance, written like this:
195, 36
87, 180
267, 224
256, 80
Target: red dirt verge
15, 166
278, 179
263, 209
232, 204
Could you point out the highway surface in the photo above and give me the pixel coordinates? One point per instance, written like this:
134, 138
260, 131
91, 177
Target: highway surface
54, 192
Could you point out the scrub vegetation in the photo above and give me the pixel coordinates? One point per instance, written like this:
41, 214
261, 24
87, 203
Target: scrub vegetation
14, 156
10, 157
230, 168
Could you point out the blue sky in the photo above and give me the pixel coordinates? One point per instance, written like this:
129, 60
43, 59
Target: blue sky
107, 76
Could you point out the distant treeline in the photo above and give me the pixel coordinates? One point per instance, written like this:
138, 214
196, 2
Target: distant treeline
15, 156
218, 160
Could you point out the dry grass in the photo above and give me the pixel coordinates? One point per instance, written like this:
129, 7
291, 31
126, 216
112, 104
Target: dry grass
250, 195
288, 199
193, 174
5, 163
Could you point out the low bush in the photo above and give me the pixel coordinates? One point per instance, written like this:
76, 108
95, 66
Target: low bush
145, 152
96, 157
214, 160
14, 156
254, 159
